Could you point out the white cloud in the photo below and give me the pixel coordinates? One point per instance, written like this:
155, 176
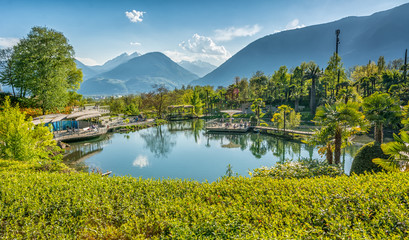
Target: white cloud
141, 161
135, 43
294, 24
8, 42
205, 46
178, 56
200, 48
87, 61
135, 16
233, 32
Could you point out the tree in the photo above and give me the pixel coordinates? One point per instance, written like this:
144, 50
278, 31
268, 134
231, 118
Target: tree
255, 107
381, 109
43, 67
286, 116
7, 76
333, 75
344, 119
20, 139
258, 84
313, 73
280, 81
159, 98
324, 138
298, 86
196, 102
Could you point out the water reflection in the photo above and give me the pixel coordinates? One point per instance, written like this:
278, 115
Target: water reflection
141, 161
184, 150
159, 141
77, 152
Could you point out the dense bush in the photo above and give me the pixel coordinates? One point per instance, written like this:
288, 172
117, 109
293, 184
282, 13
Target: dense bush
70, 206
21, 140
301, 169
363, 159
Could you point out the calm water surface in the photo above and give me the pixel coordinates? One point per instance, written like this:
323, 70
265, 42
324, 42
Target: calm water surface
183, 150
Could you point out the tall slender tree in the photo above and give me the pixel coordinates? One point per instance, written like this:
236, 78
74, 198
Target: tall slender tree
313, 73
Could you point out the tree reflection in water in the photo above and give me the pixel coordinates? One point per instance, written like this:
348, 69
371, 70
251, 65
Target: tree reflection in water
159, 141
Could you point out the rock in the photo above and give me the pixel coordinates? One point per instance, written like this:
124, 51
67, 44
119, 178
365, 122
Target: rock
63, 145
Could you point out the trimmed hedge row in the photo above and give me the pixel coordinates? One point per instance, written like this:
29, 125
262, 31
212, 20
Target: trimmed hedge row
44, 205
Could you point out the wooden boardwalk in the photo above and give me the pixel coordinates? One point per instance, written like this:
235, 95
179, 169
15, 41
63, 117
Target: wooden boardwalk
260, 128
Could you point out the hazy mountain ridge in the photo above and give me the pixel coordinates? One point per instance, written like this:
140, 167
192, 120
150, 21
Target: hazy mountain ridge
199, 68
138, 75
91, 71
362, 39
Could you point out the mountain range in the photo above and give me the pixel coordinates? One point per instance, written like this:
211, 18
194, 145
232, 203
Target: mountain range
138, 75
361, 39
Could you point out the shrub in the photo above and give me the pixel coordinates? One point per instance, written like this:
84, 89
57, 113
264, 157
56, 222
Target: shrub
363, 159
301, 169
21, 140
46, 205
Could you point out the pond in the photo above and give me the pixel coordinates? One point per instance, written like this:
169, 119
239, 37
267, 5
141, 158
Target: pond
184, 150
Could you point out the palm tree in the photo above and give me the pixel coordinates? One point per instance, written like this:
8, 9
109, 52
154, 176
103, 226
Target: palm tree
313, 73
381, 109
324, 138
344, 119
398, 151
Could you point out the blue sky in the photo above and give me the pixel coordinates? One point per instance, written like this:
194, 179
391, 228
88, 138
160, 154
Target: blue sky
211, 30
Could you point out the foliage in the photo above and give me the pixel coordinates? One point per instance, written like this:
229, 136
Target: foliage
286, 118
363, 159
398, 152
298, 170
256, 107
324, 138
343, 120
42, 66
405, 116
132, 110
21, 140
88, 206
196, 103
381, 109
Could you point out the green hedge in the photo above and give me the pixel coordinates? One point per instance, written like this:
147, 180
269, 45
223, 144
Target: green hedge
87, 206
363, 159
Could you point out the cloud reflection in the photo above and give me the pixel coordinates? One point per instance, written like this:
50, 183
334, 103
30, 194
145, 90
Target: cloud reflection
141, 161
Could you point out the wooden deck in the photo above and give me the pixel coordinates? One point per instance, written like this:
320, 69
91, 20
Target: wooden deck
260, 128
78, 135
81, 134
226, 127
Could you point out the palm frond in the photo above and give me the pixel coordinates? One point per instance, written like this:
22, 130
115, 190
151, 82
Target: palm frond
388, 164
